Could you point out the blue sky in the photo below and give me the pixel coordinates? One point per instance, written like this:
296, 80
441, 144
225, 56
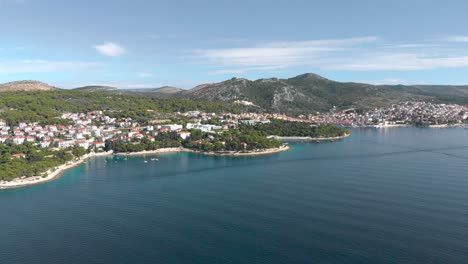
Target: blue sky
184, 43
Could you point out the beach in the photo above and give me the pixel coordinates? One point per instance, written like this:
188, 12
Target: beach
52, 175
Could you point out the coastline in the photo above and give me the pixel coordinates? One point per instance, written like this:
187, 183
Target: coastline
310, 138
251, 153
150, 152
55, 174
58, 172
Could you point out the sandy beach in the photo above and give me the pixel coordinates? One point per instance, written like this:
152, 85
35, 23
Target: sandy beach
52, 175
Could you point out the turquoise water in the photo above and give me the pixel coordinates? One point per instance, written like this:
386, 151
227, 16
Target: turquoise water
380, 196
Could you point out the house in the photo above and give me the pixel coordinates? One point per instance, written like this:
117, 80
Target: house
79, 136
30, 139
204, 128
99, 144
64, 143
18, 139
3, 138
44, 144
22, 125
2, 123
83, 143
184, 135
18, 156
173, 127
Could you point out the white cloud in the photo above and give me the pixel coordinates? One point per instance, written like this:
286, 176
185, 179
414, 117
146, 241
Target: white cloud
458, 38
144, 74
351, 54
278, 54
397, 62
227, 71
110, 49
40, 66
393, 81
411, 46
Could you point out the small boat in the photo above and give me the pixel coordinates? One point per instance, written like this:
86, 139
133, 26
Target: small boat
154, 159
145, 161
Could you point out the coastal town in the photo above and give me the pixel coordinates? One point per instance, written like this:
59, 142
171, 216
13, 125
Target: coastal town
70, 138
91, 130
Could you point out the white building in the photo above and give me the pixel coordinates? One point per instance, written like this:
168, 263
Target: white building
184, 135
84, 144
173, 127
44, 144
64, 143
18, 139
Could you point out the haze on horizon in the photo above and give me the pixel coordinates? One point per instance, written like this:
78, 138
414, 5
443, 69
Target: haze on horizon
184, 43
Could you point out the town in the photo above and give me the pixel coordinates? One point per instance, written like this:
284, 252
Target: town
92, 129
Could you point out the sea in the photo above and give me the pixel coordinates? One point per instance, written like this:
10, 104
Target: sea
391, 195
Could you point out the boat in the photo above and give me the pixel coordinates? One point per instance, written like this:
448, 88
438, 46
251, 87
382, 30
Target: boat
154, 159
145, 161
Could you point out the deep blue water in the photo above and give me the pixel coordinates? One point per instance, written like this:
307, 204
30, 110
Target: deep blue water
380, 196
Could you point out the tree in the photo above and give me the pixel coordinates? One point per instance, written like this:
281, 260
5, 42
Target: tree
78, 151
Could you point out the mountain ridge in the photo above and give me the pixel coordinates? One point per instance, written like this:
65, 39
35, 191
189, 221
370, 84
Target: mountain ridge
26, 85
303, 94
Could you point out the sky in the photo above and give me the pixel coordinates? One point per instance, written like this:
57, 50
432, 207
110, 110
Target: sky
140, 43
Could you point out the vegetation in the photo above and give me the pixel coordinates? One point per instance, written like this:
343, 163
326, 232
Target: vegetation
309, 93
245, 139
162, 140
44, 106
295, 129
35, 161
232, 140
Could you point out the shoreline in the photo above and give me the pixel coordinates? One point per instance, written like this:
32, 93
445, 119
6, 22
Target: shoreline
251, 153
55, 174
309, 138
58, 172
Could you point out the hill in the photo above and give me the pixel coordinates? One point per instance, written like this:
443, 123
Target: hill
25, 86
308, 93
303, 94
161, 91
96, 88
167, 90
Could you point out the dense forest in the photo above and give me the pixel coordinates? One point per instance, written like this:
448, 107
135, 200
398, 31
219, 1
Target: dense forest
295, 129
